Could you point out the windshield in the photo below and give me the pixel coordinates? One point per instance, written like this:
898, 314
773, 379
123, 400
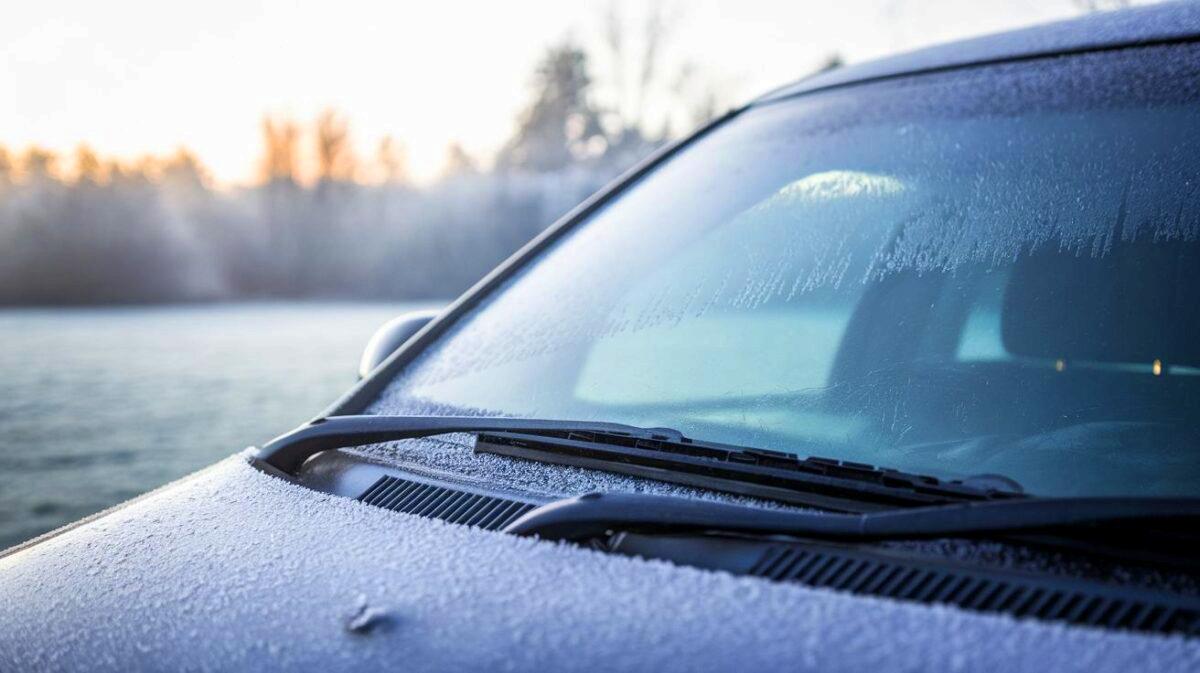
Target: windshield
984, 271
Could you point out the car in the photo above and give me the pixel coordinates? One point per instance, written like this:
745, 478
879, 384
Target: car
894, 368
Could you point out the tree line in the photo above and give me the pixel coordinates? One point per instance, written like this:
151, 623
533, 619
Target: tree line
85, 229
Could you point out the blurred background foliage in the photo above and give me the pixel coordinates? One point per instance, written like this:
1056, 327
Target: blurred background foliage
322, 222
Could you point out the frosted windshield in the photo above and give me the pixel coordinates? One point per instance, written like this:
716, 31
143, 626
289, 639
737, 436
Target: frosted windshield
991, 271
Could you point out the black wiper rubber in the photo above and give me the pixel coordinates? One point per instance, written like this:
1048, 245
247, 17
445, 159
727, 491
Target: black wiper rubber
289, 451
596, 514
816, 482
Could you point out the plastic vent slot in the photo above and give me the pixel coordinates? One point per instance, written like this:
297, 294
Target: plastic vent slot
984, 592
865, 572
439, 502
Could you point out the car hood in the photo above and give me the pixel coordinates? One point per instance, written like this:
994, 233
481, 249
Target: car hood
234, 569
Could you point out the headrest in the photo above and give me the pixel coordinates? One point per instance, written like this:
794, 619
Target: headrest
1139, 302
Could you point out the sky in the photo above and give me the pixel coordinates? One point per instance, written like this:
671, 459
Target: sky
131, 78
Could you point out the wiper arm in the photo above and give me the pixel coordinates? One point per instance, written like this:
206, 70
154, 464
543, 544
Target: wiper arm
655, 453
289, 451
594, 514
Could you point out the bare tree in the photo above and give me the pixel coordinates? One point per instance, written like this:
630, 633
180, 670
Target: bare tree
6, 166
458, 162
184, 168
335, 158
88, 168
280, 162
39, 165
392, 159
645, 81
642, 59
655, 32
700, 97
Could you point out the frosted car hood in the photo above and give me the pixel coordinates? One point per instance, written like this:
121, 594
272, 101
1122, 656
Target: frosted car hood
235, 570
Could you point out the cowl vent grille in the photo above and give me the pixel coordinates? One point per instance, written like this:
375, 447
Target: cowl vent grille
986, 592
438, 502
865, 570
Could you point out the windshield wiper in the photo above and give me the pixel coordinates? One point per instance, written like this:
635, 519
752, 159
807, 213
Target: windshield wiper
597, 514
656, 453
819, 482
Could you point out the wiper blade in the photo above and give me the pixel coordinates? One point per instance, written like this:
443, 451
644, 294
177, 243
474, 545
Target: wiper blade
818, 482
288, 452
595, 514
657, 453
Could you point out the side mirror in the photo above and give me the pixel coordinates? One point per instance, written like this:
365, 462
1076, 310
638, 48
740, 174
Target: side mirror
391, 336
